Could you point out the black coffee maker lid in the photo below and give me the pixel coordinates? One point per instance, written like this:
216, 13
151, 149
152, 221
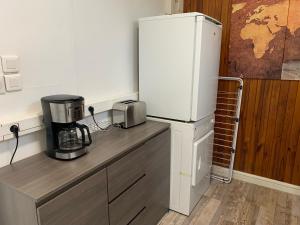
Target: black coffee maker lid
61, 99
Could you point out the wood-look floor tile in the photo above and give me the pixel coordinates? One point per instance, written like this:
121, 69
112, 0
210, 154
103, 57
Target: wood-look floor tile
240, 203
197, 211
172, 218
248, 214
295, 207
234, 200
267, 208
265, 216
208, 212
294, 220
220, 215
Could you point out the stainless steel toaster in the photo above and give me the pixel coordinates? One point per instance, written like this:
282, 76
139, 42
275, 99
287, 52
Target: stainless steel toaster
129, 113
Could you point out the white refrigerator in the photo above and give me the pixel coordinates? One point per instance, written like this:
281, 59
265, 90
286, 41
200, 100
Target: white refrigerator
179, 57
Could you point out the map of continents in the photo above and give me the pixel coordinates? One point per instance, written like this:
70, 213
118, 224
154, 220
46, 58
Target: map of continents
260, 30
291, 66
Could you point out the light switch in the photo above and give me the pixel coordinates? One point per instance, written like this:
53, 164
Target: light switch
10, 64
2, 85
13, 82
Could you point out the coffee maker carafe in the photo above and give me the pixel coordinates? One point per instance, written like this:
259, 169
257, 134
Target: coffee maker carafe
66, 138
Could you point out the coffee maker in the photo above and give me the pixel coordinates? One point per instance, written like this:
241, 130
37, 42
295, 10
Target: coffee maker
66, 138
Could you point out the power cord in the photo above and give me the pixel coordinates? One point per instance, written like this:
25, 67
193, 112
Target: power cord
15, 130
92, 112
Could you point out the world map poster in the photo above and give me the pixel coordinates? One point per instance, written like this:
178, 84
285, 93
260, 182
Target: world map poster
265, 39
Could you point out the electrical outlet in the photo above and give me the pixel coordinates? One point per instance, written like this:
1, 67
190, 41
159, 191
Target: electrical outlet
26, 125
13, 82
5, 131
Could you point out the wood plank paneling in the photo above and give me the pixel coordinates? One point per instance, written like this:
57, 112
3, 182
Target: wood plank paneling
269, 135
268, 142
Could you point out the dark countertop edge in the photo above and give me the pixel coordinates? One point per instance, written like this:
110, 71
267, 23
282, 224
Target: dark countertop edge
73, 182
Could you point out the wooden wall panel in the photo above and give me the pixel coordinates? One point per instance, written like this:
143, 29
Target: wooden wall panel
268, 141
269, 135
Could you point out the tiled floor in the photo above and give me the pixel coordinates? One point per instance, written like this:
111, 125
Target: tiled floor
241, 203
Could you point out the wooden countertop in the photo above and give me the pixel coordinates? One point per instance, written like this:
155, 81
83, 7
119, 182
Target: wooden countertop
42, 178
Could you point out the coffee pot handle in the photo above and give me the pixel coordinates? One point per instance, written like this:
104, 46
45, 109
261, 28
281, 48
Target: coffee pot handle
89, 135
83, 127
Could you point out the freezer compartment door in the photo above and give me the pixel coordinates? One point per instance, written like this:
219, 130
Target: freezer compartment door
202, 158
206, 71
166, 56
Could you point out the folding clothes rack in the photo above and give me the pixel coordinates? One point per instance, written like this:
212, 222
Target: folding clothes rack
229, 101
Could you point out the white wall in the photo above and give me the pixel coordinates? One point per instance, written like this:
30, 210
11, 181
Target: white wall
86, 47
177, 6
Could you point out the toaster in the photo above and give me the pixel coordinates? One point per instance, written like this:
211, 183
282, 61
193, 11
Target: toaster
129, 113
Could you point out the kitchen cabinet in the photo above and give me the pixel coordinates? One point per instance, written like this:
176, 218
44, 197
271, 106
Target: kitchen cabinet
125, 172
147, 199
157, 181
139, 219
124, 180
125, 208
85, 203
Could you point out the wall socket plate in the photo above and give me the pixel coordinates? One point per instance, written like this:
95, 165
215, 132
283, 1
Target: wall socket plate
13, 82
2, 85
10, 64
5, 133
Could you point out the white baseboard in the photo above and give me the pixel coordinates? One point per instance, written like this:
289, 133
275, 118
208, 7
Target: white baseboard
261, 181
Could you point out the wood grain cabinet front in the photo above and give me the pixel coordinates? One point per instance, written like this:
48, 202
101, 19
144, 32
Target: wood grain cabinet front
128, 205
157, 180
126, 171
146, 202
139, 219
158, 157
84, 204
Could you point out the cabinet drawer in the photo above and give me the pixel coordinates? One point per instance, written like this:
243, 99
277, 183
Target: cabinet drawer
127, 206
123, 173
140, 219
85, 203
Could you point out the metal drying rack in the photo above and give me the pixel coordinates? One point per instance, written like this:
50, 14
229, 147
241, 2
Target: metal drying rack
226, 127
